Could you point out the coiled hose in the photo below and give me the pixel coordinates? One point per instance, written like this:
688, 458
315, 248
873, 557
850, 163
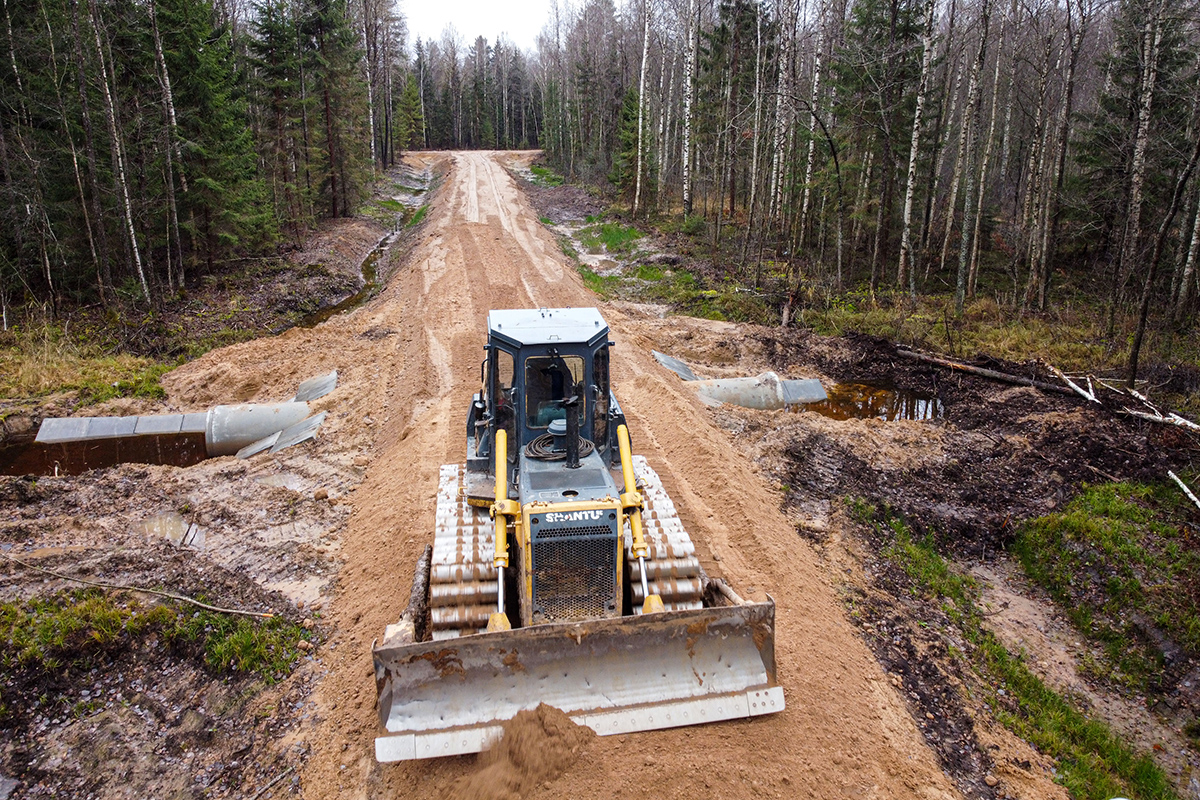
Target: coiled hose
542, 448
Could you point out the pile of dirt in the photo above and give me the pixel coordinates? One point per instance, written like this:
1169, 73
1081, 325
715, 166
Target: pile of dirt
536, 746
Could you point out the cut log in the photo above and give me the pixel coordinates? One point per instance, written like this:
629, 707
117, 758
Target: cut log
983, 372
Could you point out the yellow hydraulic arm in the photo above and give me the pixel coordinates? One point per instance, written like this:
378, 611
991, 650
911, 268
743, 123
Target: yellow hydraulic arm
631, 502
502, 511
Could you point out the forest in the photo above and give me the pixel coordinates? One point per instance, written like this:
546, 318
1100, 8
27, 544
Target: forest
1030, 151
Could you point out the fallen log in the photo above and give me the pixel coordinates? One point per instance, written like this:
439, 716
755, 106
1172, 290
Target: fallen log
982, 372
1185, 488
1079, 390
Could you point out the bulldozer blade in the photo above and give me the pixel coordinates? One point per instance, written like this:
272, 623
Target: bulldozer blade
614, 676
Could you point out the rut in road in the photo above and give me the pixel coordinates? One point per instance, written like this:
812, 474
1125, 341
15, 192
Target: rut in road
845, 733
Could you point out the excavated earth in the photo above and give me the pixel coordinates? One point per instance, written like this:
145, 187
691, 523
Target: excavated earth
332, 530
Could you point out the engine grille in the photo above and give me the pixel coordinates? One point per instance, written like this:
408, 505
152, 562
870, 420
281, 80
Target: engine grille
574, 573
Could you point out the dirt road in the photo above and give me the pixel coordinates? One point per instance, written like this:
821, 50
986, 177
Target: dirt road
410, 361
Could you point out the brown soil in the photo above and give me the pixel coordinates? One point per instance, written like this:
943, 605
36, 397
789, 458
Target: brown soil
537, 746
873, 709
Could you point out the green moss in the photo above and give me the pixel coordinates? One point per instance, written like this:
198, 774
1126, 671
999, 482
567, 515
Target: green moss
418, 216
69, 631
1093, 762
614, 237
544, 176
604, 285
47, 360
1117, 560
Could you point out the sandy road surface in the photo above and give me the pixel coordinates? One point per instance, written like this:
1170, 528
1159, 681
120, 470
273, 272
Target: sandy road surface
410, 361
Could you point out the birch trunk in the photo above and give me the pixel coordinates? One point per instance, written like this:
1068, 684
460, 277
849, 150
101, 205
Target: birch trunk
169, 113
637, 192
368, 55
118, 154
666, 93
1152, 34
1156, 255
1050, 226
1002, 167
955, 177
818, 57
970, 124
689, 67
973, 271
83, 203
1189, 269
754, 144
783, 106
914, 149
89, 140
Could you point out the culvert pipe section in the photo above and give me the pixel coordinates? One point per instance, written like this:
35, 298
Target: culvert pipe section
766, 391
227, 429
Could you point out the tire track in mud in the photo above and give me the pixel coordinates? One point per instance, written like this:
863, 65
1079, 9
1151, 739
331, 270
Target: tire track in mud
845, 732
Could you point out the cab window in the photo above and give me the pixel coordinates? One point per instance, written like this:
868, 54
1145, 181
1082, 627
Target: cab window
600, 423
506, 415
548, 381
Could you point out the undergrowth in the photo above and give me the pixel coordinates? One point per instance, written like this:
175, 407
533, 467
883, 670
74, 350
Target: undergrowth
46, 359
1122, 564
615, 238
76, 630
1093, 763
544, 176
417, 217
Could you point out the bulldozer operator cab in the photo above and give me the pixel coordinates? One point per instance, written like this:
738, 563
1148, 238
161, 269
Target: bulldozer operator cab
546, 387
546, 370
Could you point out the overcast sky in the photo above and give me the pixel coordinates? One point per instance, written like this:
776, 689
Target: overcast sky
519, 20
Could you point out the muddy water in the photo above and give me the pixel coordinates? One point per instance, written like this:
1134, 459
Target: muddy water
23, 456
870, 400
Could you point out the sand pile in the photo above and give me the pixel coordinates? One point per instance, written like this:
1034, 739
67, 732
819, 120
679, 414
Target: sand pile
537, 746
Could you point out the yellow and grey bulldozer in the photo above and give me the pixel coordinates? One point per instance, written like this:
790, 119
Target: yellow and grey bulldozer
560, 572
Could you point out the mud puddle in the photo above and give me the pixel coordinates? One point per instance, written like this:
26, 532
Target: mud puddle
873, 400
22, 455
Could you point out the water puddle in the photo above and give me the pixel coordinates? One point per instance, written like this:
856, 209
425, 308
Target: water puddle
174, 528
21, 455
873, 401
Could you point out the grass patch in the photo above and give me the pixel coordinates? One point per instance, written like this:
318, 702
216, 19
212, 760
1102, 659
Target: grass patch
417, 217
615, 238
544, 176
74, 630
1119, 563
1072, 338
46, 361
1093, 763
604, 285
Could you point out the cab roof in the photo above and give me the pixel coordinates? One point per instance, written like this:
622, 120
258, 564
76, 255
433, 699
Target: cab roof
538, 326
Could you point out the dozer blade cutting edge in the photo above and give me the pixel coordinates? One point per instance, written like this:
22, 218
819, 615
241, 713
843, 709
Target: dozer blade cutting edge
614, 676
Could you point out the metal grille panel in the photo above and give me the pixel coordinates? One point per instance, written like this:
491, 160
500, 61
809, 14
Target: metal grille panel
574, 573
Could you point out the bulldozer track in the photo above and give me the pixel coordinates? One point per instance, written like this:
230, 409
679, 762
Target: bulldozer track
462, 579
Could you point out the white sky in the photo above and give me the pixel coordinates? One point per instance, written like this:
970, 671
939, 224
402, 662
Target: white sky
519, 20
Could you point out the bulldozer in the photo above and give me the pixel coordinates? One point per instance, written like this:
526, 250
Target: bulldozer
560, 572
